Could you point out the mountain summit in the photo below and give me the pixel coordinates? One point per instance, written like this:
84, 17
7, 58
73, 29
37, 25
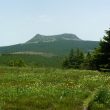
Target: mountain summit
42, 38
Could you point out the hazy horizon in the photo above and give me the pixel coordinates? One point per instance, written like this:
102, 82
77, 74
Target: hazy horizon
21, 20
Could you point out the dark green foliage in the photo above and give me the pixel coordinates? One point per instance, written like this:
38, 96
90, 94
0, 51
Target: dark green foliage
101, 100
87, 64
103, 96
74, 60
101, 55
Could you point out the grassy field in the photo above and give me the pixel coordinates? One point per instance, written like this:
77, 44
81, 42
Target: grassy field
53, 89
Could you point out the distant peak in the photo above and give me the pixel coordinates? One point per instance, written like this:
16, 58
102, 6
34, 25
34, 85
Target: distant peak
38, 35
68, 36
52, 38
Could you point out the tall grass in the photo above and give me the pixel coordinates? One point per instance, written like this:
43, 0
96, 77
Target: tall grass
53, 89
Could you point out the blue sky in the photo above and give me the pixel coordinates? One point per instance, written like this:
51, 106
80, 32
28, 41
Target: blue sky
20, 20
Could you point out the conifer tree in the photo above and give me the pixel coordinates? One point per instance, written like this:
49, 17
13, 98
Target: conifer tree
87, 61
101, 55
74, 59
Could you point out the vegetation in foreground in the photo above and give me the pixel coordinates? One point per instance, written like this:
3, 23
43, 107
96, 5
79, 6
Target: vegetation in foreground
53, 89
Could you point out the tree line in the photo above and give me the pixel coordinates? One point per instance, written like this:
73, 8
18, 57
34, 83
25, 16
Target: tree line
98, 59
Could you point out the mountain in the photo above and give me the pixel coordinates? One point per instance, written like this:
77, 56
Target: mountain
53, 45
41, 38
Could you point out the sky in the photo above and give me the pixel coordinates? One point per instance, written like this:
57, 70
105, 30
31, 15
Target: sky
20, 20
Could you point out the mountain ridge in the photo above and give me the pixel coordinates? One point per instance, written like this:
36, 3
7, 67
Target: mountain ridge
52, 38
54, 45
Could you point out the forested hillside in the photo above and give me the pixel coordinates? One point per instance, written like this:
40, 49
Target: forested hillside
56, 45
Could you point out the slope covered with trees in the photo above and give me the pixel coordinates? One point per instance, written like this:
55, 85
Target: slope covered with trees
56, 44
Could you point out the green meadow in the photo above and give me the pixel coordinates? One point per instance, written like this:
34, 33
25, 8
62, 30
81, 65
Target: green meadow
31, 88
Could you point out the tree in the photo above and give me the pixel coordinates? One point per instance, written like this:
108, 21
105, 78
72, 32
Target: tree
87, 61
69, 60
74, 59
101, 55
